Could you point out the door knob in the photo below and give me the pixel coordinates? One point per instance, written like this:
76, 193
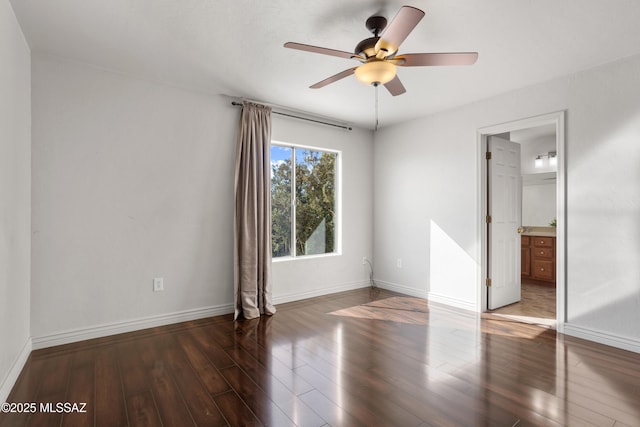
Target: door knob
520, 230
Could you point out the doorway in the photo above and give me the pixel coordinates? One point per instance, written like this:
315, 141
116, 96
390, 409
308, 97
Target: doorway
553, 122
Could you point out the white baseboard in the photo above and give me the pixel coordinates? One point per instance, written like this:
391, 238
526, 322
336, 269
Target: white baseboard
297, 296
419, 293
602, 337
454, 302
14, 372
99, 331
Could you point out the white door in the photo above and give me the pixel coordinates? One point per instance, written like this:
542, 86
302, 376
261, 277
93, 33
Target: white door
505, 209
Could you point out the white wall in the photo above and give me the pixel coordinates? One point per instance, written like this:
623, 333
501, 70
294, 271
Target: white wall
417, 165
15, 198
131, 180
426, 172
134, 180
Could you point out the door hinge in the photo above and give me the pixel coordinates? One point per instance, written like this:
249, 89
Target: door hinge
489, 281
488, 155
488, 219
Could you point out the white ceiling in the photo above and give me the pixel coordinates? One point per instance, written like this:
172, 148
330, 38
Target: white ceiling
235, 47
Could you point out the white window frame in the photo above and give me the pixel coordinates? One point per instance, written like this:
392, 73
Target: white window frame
337, 250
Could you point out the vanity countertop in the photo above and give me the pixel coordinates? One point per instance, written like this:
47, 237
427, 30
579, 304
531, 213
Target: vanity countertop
540, 231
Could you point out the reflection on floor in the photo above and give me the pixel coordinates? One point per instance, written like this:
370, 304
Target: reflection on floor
538, 305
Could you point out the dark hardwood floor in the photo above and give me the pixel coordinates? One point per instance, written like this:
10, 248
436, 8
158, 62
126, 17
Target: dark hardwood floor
359, 358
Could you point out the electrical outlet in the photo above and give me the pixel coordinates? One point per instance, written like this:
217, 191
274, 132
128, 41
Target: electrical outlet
364, 260
158, 284
399, 263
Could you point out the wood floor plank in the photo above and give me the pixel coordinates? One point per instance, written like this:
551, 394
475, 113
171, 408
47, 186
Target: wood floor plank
132, 369
47, 418
81, 391
142, 410
169, 401
221, 334
294, 407
201, 406
236, 411
213, 349
56, 375
204, 368
256, 399
336, 415
110, 405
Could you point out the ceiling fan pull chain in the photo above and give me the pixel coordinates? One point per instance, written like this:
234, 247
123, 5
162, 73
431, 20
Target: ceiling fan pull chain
376, 106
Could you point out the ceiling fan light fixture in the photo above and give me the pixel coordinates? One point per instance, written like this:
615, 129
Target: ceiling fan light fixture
378, 53
376, 72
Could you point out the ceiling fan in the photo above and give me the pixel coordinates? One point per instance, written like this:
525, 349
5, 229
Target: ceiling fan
378, 54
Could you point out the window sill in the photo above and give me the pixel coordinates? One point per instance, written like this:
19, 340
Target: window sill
304, 257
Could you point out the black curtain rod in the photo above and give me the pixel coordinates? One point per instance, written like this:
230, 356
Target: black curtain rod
239, 104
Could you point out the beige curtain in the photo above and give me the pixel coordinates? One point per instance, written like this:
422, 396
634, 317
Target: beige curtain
252, 246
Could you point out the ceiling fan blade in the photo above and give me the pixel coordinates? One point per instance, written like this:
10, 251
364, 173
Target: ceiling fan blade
334, 78
403, 23
322, 50
430, 59
395, 87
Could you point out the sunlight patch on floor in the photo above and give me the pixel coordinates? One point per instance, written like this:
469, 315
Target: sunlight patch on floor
540, 321
394, 309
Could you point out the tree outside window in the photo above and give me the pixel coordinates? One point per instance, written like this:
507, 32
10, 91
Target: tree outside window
303, 201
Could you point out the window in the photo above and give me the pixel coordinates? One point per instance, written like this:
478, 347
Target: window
303, 201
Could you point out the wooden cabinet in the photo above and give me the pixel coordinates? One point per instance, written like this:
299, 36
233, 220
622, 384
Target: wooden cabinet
539, 258
525, 257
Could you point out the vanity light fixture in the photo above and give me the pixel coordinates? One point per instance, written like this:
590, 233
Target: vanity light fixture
551, 157
539, 162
